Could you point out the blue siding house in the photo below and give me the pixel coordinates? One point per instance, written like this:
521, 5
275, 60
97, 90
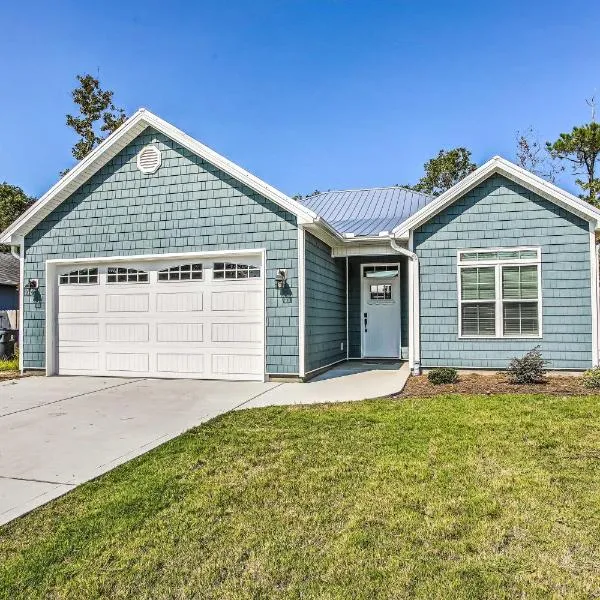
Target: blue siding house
156, 256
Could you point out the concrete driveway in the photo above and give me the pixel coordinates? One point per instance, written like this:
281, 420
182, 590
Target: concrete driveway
58, 432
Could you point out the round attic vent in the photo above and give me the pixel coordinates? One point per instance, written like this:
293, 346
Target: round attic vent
148, 160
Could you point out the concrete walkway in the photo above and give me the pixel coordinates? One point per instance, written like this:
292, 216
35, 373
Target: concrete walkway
58, 432
349, 381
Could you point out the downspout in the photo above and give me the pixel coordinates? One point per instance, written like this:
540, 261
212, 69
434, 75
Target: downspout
414, 351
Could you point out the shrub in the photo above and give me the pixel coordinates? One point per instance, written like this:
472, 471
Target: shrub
439, 376
528, 369
591, 378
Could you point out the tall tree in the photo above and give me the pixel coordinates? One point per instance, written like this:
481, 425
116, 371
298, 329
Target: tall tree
533, 156
581, 148
13, 203
445, 170
98, 117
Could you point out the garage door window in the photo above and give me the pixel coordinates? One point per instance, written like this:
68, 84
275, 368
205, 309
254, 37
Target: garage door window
83, 276
181, 273
123, 275
235, 271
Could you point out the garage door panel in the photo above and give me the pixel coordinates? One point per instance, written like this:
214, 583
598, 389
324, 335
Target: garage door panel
236, 364
138, 362
127, 332
236, 332
180, 363
86, 303
200, 328
236, 301
179, 302
79, 332
180, 332
127, 302
77, 361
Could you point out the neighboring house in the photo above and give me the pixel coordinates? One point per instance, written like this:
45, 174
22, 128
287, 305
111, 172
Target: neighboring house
155, 256
9, 295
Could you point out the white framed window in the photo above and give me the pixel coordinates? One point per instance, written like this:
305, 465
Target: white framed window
181, 273
126, 275
234, 271
500, 293
80, 277
380, 291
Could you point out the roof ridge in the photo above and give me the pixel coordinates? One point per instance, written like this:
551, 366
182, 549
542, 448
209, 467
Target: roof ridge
368, 189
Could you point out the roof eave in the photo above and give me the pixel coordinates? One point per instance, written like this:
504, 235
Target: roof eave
113, 144
511, 171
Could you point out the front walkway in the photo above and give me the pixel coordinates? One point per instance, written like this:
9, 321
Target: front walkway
58, 432
349, 381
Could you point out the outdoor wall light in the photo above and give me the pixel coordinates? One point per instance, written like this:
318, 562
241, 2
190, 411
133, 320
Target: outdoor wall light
31, 286
281, 278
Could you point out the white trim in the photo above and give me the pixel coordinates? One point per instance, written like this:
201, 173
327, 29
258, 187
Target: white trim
347, 314
595, 300
53, 265
113, 144
21, 244
362, 299
513, 172
414, 308
497, 265
152, 257
301, 301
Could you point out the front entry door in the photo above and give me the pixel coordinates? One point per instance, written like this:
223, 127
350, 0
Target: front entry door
380, 311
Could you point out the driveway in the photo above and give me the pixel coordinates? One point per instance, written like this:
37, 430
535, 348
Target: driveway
58, 432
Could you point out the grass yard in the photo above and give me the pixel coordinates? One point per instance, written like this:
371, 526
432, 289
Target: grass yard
446, 497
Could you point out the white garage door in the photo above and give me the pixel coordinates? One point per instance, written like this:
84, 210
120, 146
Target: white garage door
193, 318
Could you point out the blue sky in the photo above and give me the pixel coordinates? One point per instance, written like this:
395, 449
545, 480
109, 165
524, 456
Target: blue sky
325, 94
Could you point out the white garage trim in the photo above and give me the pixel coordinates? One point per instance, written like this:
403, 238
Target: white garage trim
52, 289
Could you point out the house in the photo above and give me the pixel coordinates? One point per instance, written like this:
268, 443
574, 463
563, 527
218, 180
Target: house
156, 256
9, 296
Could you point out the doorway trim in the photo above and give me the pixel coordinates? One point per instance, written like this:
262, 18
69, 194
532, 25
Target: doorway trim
362, 311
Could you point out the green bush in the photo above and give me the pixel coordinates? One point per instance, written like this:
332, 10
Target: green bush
591, 378
445, 375
529, 368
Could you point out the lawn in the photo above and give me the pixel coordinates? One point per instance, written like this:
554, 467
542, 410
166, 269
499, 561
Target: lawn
446, 497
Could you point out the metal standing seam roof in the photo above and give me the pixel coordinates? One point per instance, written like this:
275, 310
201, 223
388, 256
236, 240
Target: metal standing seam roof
9, 269
366, 212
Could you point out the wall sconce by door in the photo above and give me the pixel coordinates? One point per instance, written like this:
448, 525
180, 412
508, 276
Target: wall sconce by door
281, 278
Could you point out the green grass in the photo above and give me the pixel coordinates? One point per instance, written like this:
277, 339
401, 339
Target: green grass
9, 364
450, 497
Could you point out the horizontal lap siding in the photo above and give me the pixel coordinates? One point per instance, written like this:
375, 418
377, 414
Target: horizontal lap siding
325, 305
188, 205
500, 213
355, 291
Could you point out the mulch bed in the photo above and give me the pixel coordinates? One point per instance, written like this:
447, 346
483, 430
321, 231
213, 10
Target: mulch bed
555, 385
5, 375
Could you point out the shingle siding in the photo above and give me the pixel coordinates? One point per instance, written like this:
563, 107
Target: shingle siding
354, 299
500, 213
188, 205
325, 305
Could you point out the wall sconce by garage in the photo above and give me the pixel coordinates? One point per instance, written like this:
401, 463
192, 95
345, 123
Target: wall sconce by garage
280, 278
31, 286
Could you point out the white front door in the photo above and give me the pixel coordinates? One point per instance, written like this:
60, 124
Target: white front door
380, 311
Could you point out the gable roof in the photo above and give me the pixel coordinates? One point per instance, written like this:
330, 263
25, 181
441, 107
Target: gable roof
366, 212
501, 166
9, 269
113, 144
